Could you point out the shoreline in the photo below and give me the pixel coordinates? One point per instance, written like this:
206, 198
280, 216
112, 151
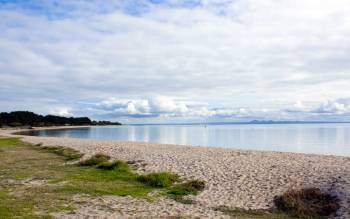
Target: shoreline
235, 178
17, 132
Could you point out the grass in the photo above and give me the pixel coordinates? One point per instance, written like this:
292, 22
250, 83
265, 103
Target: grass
187, 188
161, 180
310, 202
67, 153
118, 165
96, 176
22, 162
179, 191
95, 160
6, 142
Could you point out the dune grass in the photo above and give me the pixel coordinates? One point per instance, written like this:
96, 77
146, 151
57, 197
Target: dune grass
95, 160
161, 180
67, 153
191, 187
117, 165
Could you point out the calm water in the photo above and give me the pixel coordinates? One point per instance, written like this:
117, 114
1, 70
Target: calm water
305, 138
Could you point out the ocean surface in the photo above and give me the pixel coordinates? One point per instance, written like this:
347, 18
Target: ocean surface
333, 138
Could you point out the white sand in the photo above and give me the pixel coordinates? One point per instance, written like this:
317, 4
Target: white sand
235, 178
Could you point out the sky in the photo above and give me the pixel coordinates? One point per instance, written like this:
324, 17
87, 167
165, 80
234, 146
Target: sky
165, 61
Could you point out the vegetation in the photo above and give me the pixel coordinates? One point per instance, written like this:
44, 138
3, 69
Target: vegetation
191, 187
179, 191
161, 180
38, 170
95, 160
118, 165
307, 202
25, 118
67, 153
36, 180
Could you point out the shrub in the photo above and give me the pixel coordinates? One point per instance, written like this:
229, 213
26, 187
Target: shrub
118, 165
162, 179
187, 188
95, 160
307, 202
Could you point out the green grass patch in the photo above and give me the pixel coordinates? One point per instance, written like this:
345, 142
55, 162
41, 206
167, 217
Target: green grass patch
8, 142
67, 153
191, 187
161, 180
118, 165
24, 163
95, 160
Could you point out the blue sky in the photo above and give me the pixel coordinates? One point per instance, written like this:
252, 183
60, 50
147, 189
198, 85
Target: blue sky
177, 61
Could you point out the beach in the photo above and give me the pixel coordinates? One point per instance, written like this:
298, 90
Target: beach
234, 178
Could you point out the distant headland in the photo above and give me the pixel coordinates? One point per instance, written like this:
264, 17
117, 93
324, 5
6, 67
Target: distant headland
26, 118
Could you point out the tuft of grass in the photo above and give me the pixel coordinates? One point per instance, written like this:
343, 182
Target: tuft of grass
67, 153
118, 165
187, 188
307, 202
95, 160
161, 179
192, 187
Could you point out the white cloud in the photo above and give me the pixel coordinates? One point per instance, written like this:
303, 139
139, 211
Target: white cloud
340, 107
61, 111
239, 58
166, 107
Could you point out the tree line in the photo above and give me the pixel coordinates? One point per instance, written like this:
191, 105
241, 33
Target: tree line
26, 118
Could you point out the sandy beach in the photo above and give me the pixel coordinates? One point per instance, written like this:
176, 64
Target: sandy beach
235, 178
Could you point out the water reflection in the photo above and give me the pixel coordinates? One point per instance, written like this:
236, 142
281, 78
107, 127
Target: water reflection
304, 138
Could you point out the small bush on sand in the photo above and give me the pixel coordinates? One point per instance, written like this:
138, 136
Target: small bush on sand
118, 165
95, 160
162, 179
67, 153
307, 202
191, 187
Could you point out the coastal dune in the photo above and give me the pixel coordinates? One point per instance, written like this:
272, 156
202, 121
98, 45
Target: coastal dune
234, 178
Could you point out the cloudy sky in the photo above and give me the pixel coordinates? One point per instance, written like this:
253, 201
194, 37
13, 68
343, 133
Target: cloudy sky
177, 60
